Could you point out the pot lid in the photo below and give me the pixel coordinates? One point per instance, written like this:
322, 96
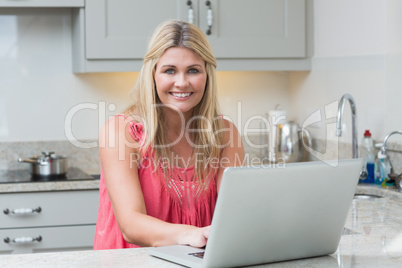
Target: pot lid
49, 154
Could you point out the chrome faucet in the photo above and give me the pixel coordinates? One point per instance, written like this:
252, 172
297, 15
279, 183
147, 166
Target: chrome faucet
354, 120
384, 144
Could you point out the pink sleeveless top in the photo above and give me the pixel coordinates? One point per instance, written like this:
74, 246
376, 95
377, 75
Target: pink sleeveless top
183, 201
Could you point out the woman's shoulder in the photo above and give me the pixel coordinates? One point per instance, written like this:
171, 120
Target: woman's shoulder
119, 125
227, 123
229, 126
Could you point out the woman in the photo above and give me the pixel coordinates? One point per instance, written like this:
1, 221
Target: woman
163, 159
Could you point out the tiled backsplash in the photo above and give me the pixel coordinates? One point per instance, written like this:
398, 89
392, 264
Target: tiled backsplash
344, 151
88, 159
325, 150
85, 159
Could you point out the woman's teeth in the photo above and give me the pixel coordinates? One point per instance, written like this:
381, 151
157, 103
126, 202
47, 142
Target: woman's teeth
181, 95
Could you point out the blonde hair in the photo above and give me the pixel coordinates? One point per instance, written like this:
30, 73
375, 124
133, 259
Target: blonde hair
176, 33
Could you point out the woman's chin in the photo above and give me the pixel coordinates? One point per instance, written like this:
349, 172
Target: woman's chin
186, 111
180, 110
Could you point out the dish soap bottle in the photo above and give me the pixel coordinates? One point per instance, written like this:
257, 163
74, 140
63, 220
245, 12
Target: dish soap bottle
382, 169
367, 153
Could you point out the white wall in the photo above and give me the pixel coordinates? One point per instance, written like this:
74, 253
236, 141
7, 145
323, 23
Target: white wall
349, 27
393, 68
357, 43
38, 89
358, 51
246, 96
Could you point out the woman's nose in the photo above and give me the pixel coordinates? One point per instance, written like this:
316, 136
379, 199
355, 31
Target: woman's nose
181, 81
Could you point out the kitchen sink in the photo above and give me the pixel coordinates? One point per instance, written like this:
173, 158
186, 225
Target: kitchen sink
366, 196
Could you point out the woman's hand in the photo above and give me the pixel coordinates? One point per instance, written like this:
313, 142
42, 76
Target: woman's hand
195, 236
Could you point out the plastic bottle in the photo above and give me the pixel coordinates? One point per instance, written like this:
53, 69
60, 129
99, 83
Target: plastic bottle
382, 169
368, 154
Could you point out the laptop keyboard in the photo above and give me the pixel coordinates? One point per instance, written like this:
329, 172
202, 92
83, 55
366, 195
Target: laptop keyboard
197, 254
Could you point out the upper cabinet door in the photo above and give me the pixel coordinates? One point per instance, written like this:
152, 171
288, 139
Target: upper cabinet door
112, 35
120, 29
256, 28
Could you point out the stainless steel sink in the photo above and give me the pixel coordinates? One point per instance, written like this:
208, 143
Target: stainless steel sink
366, 196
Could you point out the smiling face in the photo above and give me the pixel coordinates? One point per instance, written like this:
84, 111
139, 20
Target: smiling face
180, 78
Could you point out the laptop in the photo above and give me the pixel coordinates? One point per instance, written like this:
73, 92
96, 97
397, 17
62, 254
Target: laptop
274, 213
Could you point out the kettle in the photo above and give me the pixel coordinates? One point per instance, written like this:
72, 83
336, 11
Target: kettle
289, 143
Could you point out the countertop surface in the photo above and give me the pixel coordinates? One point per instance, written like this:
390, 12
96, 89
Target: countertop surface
372, 238
76, 180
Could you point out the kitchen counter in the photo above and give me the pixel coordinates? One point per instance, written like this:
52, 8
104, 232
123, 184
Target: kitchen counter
372, 238
49, 186
77, 181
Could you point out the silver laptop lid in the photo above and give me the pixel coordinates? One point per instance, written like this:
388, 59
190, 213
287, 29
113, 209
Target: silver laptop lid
266, 214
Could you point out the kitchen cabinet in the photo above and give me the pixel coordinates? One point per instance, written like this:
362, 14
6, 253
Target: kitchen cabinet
41, 3
255, 29
47, 221
121, 29
238, 29
245, 35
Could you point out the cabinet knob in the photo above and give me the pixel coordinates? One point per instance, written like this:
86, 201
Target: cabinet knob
190, 12
23, 240
209, 17
22, 211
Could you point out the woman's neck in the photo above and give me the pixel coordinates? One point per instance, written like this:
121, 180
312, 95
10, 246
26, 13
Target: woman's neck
175, 121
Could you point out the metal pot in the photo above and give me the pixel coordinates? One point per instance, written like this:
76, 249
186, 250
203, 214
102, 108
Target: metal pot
49, 164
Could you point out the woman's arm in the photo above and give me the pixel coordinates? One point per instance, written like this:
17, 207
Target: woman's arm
117, 151
233, 154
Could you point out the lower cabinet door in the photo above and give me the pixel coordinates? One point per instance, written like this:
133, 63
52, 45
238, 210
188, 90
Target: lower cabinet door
47, 239
68, 208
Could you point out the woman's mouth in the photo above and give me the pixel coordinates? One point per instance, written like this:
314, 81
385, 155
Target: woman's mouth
180, 95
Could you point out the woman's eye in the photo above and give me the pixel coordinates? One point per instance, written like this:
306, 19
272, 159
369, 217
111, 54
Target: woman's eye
193, 71
169, 71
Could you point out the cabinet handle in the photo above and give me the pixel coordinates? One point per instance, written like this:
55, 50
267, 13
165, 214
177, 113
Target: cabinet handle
190, 12
23, 240
209, 17
22, 211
